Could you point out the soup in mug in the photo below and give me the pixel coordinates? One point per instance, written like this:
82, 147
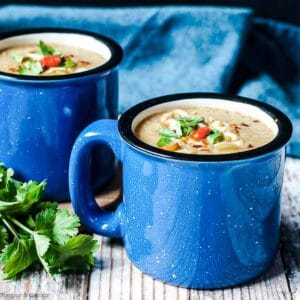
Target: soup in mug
48, 59
203, 130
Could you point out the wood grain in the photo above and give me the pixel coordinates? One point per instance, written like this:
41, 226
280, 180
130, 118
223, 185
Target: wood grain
290, 225
114, 277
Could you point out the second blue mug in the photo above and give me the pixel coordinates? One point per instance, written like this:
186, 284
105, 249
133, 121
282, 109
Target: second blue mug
197, 221
41, 116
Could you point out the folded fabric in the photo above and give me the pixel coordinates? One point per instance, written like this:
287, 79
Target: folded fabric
186, 49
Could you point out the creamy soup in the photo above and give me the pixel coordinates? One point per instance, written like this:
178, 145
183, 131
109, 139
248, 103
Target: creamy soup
203, 130
48, 59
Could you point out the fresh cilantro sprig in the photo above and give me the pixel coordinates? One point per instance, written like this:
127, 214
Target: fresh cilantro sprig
188, 124
166, 136
33, 67
163, 141
34, 231
68, 63
46, 49
216, 136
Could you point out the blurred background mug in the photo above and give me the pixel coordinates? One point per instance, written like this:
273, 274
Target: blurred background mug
198, 221
41, 116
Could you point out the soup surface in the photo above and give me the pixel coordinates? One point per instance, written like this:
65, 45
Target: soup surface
203, 130
45, 59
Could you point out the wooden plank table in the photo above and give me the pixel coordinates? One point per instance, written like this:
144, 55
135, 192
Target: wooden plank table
113, 277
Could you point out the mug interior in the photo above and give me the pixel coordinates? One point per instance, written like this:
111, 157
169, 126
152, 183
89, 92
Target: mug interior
80, 41
277, 121
85, 40
243, 108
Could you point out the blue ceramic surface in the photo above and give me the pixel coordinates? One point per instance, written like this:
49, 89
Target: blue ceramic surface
197, 221
40, 118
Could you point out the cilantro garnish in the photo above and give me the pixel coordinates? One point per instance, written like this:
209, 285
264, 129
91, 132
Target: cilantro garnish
34, 231
168, 133
188, 124
215, 137
163, 141
46, 49
32, 68
68, 63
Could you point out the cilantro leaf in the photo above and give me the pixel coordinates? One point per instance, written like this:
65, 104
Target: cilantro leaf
65, 226
46, 49
38, 207
18, 256
8, 186
66, 257
44, 221
41, 231
27, 194
168, 133
5, 176
42, 243
215, 137
163, 141
32, 68
188, 124
68, 63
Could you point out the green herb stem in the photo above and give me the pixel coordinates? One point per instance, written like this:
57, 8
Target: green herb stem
9, 227
19, 224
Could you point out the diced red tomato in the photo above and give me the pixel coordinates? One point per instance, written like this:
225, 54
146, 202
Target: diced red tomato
200, 133
51, 61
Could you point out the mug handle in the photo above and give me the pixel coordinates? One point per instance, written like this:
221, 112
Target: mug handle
103, 132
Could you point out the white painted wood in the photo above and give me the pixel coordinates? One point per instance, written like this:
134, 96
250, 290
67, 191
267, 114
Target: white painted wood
126, 277
116, 274
94, 291
171, 292
159, 290
290, 233
148, 288
136, 284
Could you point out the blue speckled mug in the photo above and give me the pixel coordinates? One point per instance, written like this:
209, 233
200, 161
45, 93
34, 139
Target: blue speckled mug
198, 221
41, 116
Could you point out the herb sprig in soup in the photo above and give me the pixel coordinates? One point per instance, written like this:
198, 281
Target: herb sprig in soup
45, 59
203, 131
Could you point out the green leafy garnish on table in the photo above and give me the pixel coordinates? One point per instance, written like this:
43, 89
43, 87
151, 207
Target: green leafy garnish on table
34, 231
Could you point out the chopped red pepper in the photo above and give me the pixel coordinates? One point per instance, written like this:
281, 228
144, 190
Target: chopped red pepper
51, 61
200, 133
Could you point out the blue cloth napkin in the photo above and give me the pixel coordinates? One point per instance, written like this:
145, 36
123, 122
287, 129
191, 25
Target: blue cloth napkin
185, 49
